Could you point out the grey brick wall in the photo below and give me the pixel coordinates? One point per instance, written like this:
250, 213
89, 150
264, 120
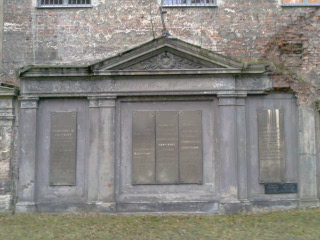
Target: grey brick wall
251, 30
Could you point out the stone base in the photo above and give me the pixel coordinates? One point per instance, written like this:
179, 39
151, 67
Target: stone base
308, 203
168, 207
172, 207
5, 203
25, 207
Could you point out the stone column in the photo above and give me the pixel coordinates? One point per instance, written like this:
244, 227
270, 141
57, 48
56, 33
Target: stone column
27, 163
1, 31
242, 150
7, 136
307, 166
93, 158
228, 170
107, 150
102, 154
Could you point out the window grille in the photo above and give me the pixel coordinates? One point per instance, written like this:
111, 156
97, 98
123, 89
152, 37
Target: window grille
64, 3
189, 3
300, 2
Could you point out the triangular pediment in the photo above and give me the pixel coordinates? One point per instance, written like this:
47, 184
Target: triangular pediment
161, 56
166, 58
166, 54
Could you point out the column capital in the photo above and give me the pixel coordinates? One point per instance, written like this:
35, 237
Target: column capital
102, 102
28, 102
231, 99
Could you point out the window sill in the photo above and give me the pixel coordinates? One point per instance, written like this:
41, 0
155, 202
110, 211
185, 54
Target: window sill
300, 5
77, 6
189, 6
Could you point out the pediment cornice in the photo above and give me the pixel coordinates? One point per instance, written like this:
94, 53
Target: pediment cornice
162, 56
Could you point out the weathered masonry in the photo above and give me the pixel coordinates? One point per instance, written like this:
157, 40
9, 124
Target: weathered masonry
164, 127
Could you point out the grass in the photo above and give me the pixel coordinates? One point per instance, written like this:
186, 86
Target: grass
291, 225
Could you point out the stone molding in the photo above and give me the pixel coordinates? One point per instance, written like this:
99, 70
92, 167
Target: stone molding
28, 103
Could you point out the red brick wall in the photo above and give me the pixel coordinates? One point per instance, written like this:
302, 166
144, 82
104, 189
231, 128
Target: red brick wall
251, 30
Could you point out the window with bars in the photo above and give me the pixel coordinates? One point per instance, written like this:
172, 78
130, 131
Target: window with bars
189, 3
64, 3
300, 2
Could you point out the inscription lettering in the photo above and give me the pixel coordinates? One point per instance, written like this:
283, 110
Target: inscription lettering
63, 148
271, 145
190, 133
280, 188
167, 147
167, 143
143, 147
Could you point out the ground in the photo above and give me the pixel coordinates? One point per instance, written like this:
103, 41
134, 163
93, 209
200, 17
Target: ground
291, 225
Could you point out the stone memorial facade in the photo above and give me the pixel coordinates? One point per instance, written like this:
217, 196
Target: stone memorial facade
164, 127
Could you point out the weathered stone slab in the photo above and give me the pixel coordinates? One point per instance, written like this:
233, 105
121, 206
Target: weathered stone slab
63, 148
167, 147
190, 146
271, 145
280, 188
5, 142
143, 147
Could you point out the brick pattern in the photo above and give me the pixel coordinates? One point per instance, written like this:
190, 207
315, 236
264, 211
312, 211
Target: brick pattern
251, 30
301, 1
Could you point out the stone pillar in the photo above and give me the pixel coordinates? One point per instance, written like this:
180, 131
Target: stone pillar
107, 150
7, 136
93, 158
1, 31
27, 163
228, 170
307, 166
242, 150
102, 153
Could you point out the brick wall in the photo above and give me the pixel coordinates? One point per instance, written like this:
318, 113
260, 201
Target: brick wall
250, 30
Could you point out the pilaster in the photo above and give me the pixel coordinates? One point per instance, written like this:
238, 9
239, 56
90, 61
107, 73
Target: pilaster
7, 147
307, 165
27, 163
102, 153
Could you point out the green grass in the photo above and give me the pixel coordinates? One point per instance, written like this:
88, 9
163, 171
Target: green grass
291, 225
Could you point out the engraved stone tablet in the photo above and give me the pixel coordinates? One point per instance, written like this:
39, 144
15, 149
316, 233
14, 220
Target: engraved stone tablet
280, 188
271, 145
5, 142
63, 142
143, 147
167, 144
190, 149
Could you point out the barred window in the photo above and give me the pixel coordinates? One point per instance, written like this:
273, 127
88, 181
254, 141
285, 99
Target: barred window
300, 2
189, 3
64, 3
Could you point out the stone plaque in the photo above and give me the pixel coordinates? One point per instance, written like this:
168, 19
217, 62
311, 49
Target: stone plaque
5, 142
63, 146
280, 188
271, 145
167, 145
143, 147
190, 146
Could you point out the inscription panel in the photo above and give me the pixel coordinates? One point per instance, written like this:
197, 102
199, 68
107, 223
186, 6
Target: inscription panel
190, 135
167, 144
280, 188
143, 147
63, 144
167, 147
271, 145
